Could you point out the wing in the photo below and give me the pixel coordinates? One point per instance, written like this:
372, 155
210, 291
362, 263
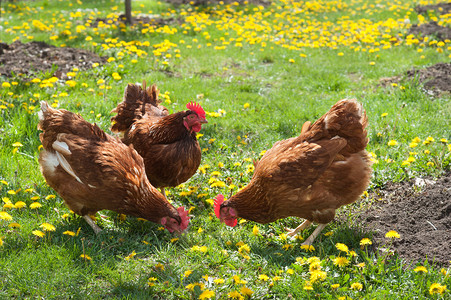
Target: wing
297, 165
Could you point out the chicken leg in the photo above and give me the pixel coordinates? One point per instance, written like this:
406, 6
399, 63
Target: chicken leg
304, 225
314, 234
91, 223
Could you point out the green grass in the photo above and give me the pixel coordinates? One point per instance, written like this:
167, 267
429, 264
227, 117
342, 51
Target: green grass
279, 95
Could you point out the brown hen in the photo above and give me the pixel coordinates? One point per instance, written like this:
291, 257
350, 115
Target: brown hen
308, 176
167, 142
93, 171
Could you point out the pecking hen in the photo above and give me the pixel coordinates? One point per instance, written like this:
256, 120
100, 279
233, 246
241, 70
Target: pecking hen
167, 142
93, 171
308, 176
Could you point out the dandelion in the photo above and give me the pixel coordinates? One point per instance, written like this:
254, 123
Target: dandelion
341, 261
47, 227
420, 269
219, 281
365, 242
437, 288
392, 235
159, 267
246, 291
68, 232
151, 281
255, 230
235, 295
187, 273
392, 143
130, 256
6, 85
246, 105
263, 277
207, 294
308, 248
14, 225
356, 286
335, 286
5, 216
308, 286
38, 233
35, 205
342, 247
318, 275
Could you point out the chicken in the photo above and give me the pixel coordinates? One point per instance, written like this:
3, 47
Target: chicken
93, 171
167, 142
308, 176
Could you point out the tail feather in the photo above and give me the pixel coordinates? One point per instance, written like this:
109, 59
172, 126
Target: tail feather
138, 102
345, 119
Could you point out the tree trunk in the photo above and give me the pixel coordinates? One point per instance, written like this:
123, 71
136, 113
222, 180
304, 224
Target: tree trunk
128, 12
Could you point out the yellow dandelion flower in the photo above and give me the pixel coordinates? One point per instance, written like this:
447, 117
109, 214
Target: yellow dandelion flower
14, 225
392, 235
246, 291
255, 230
5, 216
342, 247
20, 204
187, 273
420, 269
308, 248
38, 233
437, 288
341, 261
67, 232
151, 281
365, 242
86, 257
317, 275
246, 105
207, 294
356, 286
263, 277
392, 143
35, 205
219, 281
47, 227
335, 286
328, 233
235, 295
159, 267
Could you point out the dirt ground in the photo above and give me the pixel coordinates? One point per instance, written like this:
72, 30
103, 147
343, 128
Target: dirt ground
420, 211
436, 78
28, 59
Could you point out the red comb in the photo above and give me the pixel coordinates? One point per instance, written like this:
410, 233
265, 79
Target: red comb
219, 199
184, 216
196, 108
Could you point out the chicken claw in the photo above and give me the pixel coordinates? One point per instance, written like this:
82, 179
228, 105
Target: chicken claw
304, 225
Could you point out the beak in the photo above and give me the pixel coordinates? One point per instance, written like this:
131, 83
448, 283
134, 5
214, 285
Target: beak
203, 121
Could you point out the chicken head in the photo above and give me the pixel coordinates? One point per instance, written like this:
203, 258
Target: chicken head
194, 121
228, 215
171, 224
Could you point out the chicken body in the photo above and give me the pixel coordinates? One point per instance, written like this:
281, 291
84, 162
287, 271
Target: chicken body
308, 176
93, 171
167, 143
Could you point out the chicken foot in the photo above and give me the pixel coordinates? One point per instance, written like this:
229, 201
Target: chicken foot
304, 225
314, 234
91, 223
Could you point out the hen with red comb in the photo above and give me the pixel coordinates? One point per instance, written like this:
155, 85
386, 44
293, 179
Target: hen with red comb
167, 142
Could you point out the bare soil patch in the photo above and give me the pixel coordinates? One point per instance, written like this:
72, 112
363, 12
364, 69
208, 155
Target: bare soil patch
441, 8
436, 78
431, 29
420, 211
29, 59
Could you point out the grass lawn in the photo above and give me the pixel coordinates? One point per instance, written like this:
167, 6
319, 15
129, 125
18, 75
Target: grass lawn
260, 72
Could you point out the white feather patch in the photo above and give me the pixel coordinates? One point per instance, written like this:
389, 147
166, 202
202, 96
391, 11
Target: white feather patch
62, 148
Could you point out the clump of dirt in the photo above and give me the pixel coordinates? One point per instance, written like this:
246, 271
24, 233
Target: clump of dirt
420, 211
441, 8
436, 78
28, 59
432, 28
